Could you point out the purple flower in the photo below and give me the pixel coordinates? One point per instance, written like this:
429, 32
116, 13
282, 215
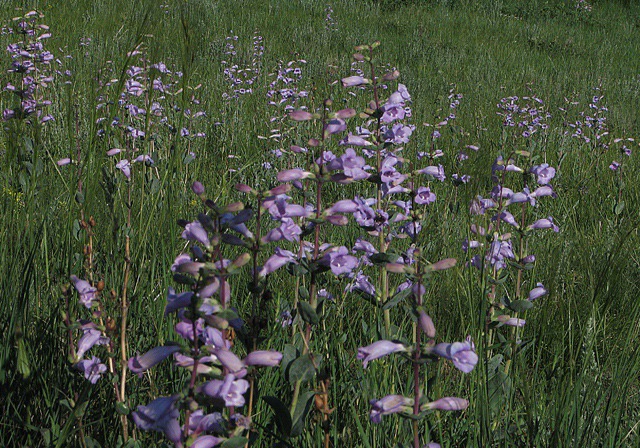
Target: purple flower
379, 349
353, 81
498, 251
435, 171
363, 284
160, 415
391, 404
139, 364
544, 173
263, 358
88, 294
447, 404
364, 246
353, 165
92, 369
426, 323
91, 336
293, 174
510, 321
537, 292
335, 126
300, 115
230, 390
229, 360
424, 196
288, 230
341, 262
177, 301
614, 166
544, 223
355, 140
63, 162
195, 232
507, 217
462, 354
125, 167
206, 442
280, 258
392, 112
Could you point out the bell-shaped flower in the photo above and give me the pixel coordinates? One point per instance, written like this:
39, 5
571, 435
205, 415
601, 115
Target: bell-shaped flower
544, 173
379, 349
160, 415
293, 174
353, 81
231, 390
424, 196
92, 369
88, 294
125, 167
206, 442
280, 258
435, 171
510, 321
544, 223
140, 364
230, 361
91, 336
446, 404
391, 404
340, 261
195, 232
426, 323
265, 358
537, 292
177, 301
462, 354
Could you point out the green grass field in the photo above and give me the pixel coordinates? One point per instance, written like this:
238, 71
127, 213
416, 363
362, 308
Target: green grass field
574, 378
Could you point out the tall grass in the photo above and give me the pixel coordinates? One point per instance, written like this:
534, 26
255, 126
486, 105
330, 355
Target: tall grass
575, 382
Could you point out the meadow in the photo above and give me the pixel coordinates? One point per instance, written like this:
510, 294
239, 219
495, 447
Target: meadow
389, 223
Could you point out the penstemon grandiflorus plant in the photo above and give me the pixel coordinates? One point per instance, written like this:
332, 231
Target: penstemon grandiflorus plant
502, 229
217, 379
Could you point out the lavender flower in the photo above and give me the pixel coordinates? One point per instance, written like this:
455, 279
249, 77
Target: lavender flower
446, 404
92, 369
263, 358
341, 262
462, 354
544, 173
537, 292
378, 350
231, 390
280, 258
160, 415
88, 294
142, 363
391, 404
544, 223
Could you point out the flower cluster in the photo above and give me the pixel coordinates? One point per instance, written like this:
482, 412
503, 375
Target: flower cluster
205, 318
241, 80
32, 67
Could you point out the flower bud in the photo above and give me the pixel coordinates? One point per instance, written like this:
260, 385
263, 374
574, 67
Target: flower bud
426, 323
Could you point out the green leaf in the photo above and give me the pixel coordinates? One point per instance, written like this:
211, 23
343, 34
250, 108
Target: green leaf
302, 369
307, 313
619, 207
282, 415
383, 258
122, 408
303, 292
520, 305
235, 442
301, 412
397, 298
289, 354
